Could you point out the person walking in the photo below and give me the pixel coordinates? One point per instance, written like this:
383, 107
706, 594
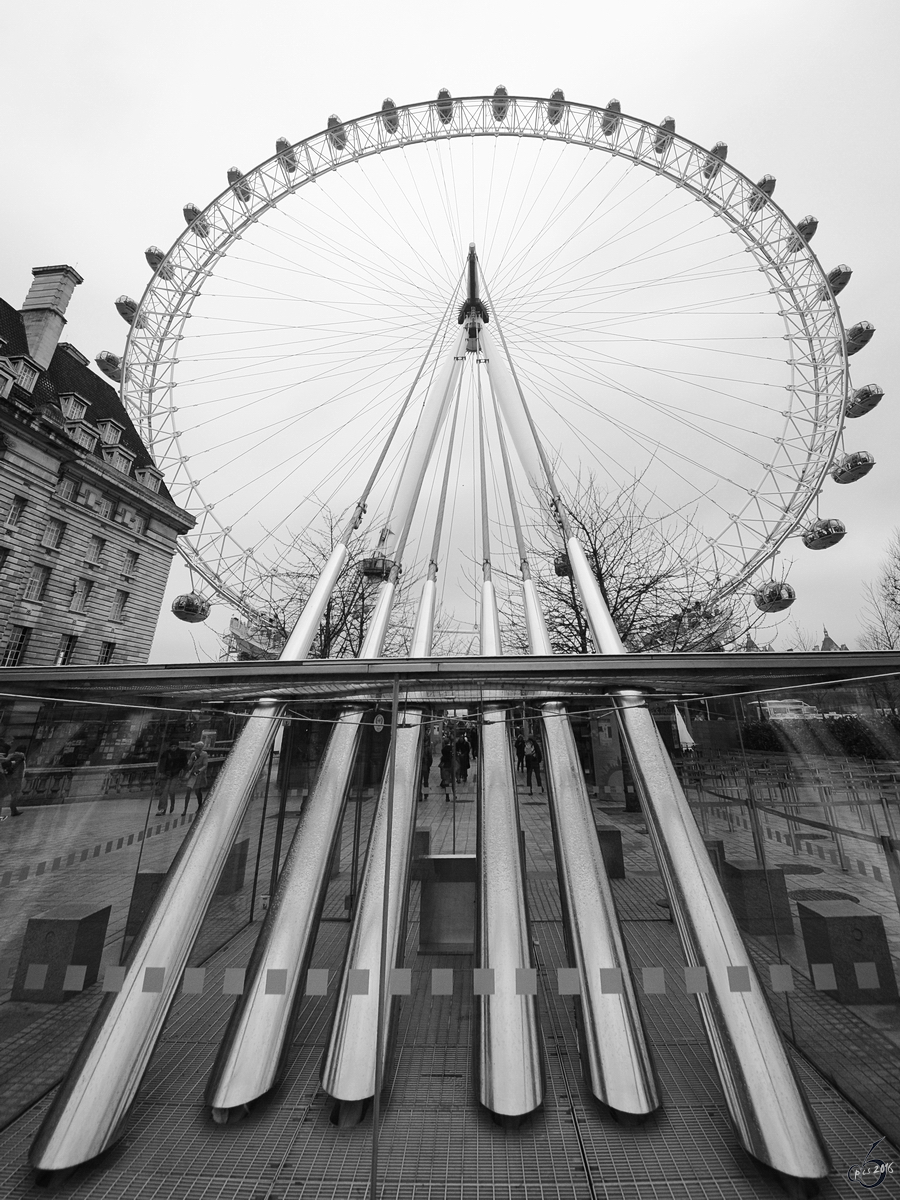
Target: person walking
13, 768
533, 760
462, 757
472, 735
12, 772
171, 766
427, 760
520, 750
195, 774
446, 766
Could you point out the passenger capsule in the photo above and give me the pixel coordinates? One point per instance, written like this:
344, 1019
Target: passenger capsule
864, 400
500, 102
824, 533
444, 106
195, 220
556, 106
838, 278
286, 155
156, 262
239, 185
377, 567
128, 311
337, 134
713, 164
765, 187
852, 467
110, 364
805, 232
859, 335
773, 596
390, 118
663, 139
191, 608
611, 119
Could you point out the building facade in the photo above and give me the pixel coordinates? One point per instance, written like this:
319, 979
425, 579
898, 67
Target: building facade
87, 527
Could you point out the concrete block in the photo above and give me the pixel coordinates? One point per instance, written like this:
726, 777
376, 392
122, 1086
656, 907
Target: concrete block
71, 935
447, 909
715, 848
235, 870
610, 840
143, 893
758, 897
852, 940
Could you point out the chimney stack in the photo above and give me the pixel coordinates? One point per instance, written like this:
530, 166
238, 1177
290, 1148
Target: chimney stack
44, 310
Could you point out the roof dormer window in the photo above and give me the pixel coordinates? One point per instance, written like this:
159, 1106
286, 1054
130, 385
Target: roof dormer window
149, 477
27, 375
73, 408
84, 436
110, 432
117, 458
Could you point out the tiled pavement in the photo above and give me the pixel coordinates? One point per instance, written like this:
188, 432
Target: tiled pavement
435, 1142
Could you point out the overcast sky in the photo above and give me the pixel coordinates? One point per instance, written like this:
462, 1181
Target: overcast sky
117, 115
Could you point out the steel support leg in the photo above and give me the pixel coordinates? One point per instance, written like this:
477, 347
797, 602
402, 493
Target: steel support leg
510, 1080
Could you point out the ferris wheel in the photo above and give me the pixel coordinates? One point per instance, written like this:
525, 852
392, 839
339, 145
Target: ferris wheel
669, 325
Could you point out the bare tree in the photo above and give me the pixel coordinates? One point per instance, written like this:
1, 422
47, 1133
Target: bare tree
342, 630
649, 571
882, 609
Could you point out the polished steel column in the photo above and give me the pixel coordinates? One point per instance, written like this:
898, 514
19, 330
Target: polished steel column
767, 1105
88, 1112
615, 1055
349, 1071
251, 1057
510, 1081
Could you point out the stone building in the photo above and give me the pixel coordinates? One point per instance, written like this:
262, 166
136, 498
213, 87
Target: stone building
87, 527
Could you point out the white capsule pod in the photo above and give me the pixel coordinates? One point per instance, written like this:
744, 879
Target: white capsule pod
864, 400
239, 185
852, 466
556, 106
286, 155
195, 220
390, 118
713, 163
663, 137
156, 262
191, 608
764, 189
611, 119
825, 532
774, 596
805, 232
110, 364
444, 106
838, 278
337, 134
859, 335
500, 102
128, 311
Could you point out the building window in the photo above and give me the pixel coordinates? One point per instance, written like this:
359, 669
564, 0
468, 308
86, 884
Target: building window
54, 534
4, 555
105, 508
73, 408
66, 488
66, 651
119, 460
37, 583
16, 646
110, 432
129, 566
27, 376
16, 509
81, 593
95, 549
149, 477
107, 650
117, 612
82, 435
